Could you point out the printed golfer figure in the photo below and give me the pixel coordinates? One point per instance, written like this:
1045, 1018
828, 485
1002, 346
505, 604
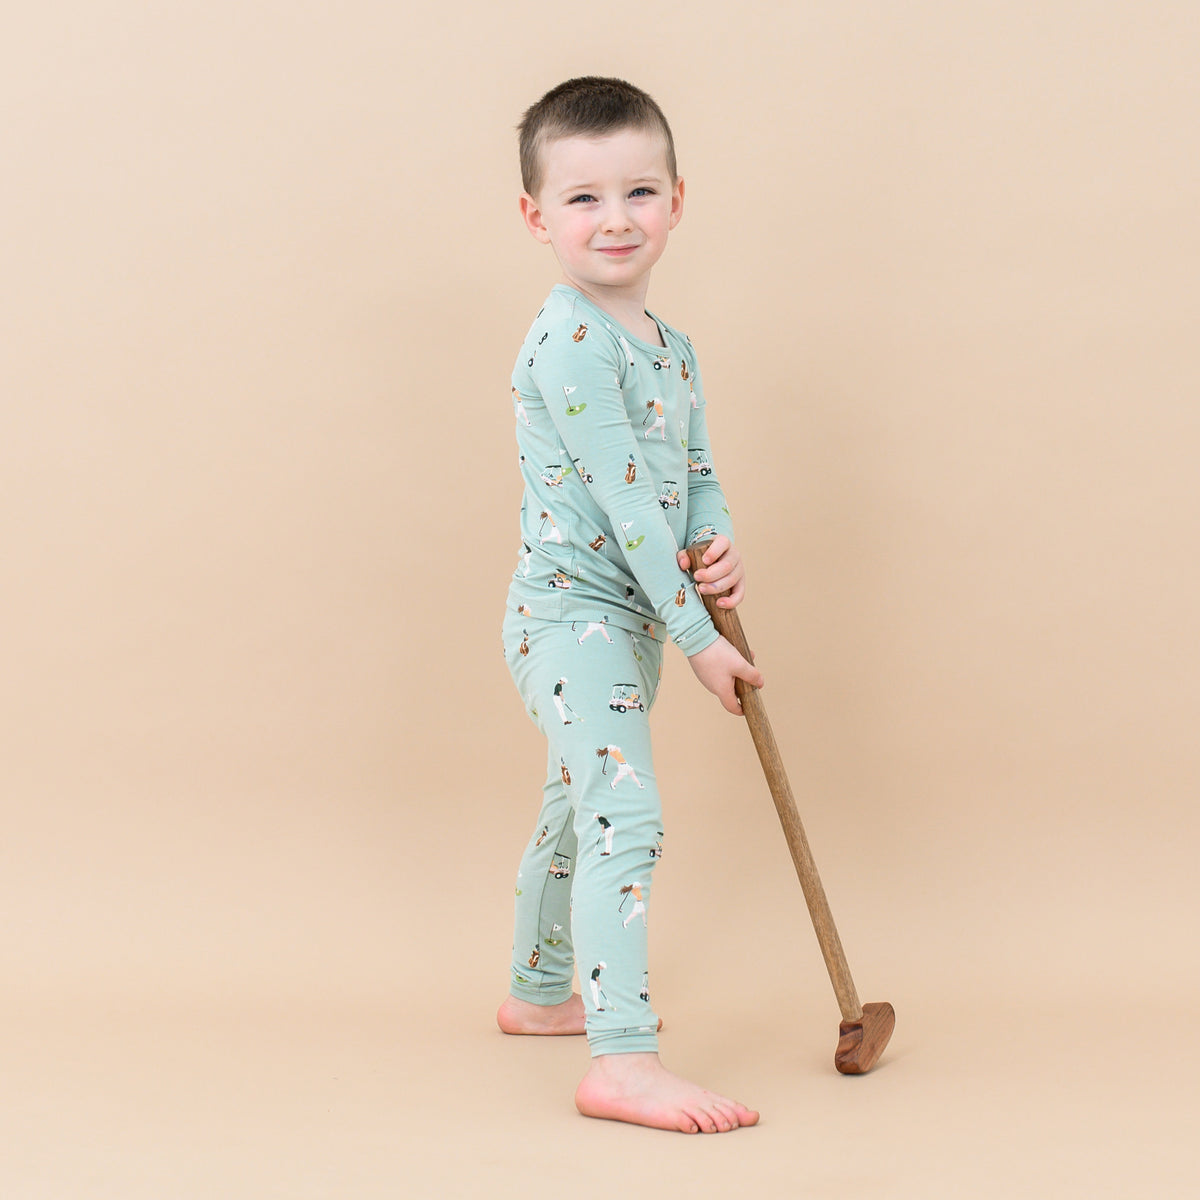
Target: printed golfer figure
597, 991
606, 832
595, 627
613, 754
519, 405
562, 706
633, 889
660, 421
554, 533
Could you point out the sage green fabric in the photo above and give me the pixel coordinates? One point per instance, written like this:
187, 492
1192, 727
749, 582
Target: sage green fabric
618, 471
618, 474
583, 887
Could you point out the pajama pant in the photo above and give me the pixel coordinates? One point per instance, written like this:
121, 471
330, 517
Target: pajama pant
584, 882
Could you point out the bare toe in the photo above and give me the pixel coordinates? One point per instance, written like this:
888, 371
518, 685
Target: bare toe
723, 1120
637, 1088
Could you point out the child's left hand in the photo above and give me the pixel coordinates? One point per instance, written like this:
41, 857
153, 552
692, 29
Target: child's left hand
723, 570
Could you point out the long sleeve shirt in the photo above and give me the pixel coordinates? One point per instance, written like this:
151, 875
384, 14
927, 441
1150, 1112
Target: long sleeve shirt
618, 473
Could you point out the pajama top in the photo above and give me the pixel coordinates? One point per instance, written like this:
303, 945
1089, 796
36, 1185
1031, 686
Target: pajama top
618, 474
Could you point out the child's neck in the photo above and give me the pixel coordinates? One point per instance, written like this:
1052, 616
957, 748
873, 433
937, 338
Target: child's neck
627, 310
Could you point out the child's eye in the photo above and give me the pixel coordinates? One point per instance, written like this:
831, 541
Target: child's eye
583, 196
642, 191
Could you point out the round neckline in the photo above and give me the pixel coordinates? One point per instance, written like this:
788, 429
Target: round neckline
628, 333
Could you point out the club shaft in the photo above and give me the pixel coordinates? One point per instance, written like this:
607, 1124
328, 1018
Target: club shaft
729, 625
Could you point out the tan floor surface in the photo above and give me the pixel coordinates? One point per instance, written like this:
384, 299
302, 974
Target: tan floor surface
322, 1026
181, 1101
263, 778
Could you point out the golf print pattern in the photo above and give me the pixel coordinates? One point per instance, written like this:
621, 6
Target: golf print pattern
613, 754
638, 909
603, 423
584, 883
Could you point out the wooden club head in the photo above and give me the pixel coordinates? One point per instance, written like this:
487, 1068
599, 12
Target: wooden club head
862, 1042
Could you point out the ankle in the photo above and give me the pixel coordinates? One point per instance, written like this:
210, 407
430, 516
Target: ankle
613, 1064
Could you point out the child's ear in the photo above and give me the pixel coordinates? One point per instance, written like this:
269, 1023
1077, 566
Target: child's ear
532, 216
676, 204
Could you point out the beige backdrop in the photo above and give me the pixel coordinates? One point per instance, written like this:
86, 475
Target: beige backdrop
265, 778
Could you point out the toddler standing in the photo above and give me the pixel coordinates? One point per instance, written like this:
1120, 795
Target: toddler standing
618, 474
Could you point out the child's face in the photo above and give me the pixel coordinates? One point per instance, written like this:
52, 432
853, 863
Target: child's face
606, 205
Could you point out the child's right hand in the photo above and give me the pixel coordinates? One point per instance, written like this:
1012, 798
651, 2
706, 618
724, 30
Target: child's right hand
717, 666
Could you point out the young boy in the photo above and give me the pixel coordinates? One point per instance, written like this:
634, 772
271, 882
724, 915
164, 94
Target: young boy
618, 475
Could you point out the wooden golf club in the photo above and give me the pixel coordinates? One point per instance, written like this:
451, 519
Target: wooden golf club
865, 1028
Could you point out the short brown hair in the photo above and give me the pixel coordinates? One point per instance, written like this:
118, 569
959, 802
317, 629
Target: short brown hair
588, 106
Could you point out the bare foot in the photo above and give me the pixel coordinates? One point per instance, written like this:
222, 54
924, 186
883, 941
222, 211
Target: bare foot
637, 1088
519, 1016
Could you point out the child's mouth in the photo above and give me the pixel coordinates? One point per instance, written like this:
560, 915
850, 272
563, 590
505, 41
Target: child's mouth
617, 251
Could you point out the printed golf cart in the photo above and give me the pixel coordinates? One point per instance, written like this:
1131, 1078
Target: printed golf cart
669, 496
560, 866
626, 696
699, 461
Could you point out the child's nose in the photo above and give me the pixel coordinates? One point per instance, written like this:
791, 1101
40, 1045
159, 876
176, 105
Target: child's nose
616, 219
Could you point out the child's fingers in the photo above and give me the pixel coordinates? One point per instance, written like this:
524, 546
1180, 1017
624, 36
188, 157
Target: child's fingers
723, 576
727, 571
750, 673
736, 593
728, 696
719, 545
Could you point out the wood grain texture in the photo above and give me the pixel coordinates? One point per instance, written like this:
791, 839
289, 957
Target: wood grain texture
730, 626
860, 1043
